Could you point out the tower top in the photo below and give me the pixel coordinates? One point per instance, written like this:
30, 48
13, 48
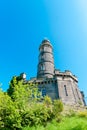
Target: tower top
45, 42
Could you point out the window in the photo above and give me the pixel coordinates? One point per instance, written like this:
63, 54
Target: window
42, 56
65, 90
55, 81
41, 82
41, 49
52, 81
45, 82
77, 94
48, 82
44, 92
42, 67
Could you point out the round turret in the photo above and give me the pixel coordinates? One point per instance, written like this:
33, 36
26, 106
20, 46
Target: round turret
46, 60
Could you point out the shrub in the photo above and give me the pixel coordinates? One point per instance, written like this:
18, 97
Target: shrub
9, 116
68, 123
47, 101
70, 113
37, 114
82, 114
57, 109
20, 107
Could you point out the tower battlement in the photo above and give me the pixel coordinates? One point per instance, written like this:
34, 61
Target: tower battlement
67, 73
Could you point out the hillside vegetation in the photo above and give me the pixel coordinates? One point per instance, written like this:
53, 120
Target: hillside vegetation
22, 107
67, 123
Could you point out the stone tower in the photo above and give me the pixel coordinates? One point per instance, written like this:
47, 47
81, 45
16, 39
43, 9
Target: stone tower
46, 60
53, 82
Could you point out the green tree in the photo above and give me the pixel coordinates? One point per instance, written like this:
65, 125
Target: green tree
9, 114
22, 106
23, 94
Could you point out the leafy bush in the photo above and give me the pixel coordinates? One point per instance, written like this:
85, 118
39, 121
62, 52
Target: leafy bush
82, 114
70, 113
9, 115
37, 114
67, 123
20, 107
57, 109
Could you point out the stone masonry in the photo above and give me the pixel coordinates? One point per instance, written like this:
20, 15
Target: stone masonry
53, 82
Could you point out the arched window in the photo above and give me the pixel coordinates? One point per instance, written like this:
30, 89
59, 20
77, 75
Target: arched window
42, 67
42, 56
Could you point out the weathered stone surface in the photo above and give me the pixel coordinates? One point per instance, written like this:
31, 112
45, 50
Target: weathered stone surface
46, 61
54, 83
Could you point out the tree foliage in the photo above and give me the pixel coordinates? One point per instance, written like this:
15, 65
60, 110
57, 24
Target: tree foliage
22, 106
23, 94
9, 114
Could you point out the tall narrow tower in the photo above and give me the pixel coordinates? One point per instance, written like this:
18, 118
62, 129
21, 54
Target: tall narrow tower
46, 60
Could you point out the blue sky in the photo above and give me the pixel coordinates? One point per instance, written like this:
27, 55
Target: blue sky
24, 24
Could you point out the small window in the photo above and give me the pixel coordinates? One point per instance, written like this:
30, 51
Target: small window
38, 83
45, 82
77, 94
48, 82
55, 81
41, 56
52, 81
41, 49
44, 92
42, 67
41, 82
65, 90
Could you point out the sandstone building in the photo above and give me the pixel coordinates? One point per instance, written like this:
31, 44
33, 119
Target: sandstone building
54, 83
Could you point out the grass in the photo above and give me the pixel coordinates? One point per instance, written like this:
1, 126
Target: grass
67, 123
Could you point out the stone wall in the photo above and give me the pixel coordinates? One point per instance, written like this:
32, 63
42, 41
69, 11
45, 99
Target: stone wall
68, 91
51, 89
60, 87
